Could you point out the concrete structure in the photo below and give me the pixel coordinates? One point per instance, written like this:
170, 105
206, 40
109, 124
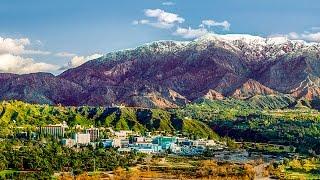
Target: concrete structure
116, 142
81, 138
124, 143
148, 148
138, 139
191, 151
211, 143
186, 143
56, 131
68, 142
94, 134
120, 143
124, 150
122, 134
175, 149
164, 141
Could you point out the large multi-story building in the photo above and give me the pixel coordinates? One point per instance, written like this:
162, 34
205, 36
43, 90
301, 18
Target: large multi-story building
94, 134
57, 130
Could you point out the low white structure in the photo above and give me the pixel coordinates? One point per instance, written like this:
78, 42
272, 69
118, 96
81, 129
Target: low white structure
120, 142
147, 148
68, 142
175, 149
122, 134
82, 138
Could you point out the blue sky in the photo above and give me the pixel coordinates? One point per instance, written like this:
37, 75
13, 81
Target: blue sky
59, 30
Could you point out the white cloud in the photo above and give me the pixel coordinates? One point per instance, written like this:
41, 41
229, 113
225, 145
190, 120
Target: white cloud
161, 25
168, 3
190, 33
163, 19
211, 23
65, 54
142, 21
36, 52
16, 64
293, 35
315, 28
39, 42
14, 46
18, 46
11, 60
79, 60
163, 16
311, 37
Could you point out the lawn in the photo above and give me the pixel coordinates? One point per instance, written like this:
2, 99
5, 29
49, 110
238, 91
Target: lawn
301, 175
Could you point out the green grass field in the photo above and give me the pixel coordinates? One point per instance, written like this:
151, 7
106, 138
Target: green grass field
300, 175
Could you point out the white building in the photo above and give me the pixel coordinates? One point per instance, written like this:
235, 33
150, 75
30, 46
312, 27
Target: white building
57, 130
148, 148
82, 138
120, 142
94, 134
211, 143
175, 149
123, 134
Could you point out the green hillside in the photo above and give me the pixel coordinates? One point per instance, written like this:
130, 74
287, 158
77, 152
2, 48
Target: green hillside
230, 108
276, 119
19, 114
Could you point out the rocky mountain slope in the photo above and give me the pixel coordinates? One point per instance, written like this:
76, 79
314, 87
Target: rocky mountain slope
168, 74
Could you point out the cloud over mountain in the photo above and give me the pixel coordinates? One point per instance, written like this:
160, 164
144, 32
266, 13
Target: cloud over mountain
13, 46
212, 23
18, 47
161, 19
190, 33
16, 64
307, 36
12, 60
79, 60
65, 54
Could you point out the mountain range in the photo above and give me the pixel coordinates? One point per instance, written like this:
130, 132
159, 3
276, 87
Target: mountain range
168, 74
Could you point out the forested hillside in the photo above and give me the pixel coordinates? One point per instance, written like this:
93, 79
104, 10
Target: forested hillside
19, 114
277, 119
270, 119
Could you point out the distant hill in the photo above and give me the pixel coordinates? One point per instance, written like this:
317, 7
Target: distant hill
168, 74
